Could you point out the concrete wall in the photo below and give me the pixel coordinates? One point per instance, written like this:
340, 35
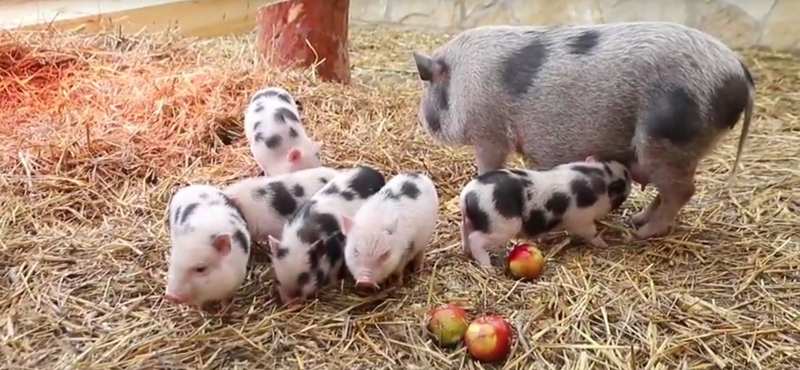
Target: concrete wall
773, 24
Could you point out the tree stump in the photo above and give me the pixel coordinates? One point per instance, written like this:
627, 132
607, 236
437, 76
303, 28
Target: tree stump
306, 33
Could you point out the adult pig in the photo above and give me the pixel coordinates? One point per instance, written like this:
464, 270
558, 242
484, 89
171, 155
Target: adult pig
657, 96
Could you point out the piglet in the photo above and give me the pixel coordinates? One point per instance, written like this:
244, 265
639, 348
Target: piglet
391, 230
277, 138
503, 204
268, 202
210, 246
308, 256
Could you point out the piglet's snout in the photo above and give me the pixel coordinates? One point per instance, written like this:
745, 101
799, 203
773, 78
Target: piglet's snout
172, 297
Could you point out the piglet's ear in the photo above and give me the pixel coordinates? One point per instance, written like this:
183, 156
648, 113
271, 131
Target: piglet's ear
274, 244
424, 66
347, 224
222, 244
293, 155
591, 158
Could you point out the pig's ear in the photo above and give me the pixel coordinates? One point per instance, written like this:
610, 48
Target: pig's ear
591, 159
222, 244
424, 66
274, 244
347, 225
293, 155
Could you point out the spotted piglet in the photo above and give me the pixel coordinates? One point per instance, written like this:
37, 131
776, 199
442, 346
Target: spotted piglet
308, 256
391, 230
500, 205
210, 246
277, 138
268, 202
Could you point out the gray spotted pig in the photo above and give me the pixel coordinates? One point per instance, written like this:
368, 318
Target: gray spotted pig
500, 205
308, 256
277, 138
656, 96
210, 246
267, 202
391, 230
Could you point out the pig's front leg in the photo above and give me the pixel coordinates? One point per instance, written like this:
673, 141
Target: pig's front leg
490, 156
587, 230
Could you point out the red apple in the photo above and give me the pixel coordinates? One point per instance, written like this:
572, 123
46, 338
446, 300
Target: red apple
525, 261
488, 338
447, 324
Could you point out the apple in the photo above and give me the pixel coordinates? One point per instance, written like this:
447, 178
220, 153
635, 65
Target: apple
488, 338
525, 261
447, 324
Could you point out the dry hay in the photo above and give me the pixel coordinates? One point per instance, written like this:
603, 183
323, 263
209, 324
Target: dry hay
99, 131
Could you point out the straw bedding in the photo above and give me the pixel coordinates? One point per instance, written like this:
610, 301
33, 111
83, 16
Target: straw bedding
99, 131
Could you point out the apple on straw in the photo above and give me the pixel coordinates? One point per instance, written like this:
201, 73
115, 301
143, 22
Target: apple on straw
447, 324
525, 262
488, 338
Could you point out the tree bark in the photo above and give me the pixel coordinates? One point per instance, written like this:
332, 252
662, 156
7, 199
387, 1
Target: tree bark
306, 33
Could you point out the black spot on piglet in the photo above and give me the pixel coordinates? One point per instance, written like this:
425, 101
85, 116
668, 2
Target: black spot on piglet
367, 182
583, 192
508, 195
188, 212
558, 203
283, 114
298, 190
242, 240
478, 217
282, 200
584, 43
409, 189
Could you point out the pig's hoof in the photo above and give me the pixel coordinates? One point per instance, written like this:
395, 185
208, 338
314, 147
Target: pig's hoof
640, 219
651, 230
599, 242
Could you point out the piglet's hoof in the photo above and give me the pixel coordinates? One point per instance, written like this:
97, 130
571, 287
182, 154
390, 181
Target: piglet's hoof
599, 242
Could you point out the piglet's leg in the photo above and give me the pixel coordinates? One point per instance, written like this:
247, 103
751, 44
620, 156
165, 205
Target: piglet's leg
586, 229
479, 243
418, 263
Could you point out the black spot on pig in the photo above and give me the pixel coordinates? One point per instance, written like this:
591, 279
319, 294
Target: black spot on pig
608, 169
282, 115
558, 203
478, 217
367, 182
214, 203
586, 170
348, 195
333, 248
188, 212
413, 175
242, 240
315, 254
259, 108
508, 197
598, 185
583, 192
282, 200
298, 190
271, 94
409, 189
729, 101
259, 137
536, 222
323, 180
332, 189
321, 279
584, 43
328, 224
520, 68
256, 125
519, 172
273, 141
281, 253
293, 133
303, 278
493, 177
177, 215
672, 114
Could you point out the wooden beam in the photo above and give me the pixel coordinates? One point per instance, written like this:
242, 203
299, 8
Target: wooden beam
196, 18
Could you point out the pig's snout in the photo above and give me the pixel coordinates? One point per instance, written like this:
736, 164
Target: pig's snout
172, 297
365, 282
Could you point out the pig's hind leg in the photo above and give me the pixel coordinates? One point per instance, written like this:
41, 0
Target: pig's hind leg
481, 243
670, 141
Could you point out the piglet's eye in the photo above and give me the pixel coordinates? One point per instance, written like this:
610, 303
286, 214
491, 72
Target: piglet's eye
384, 256
200, 269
